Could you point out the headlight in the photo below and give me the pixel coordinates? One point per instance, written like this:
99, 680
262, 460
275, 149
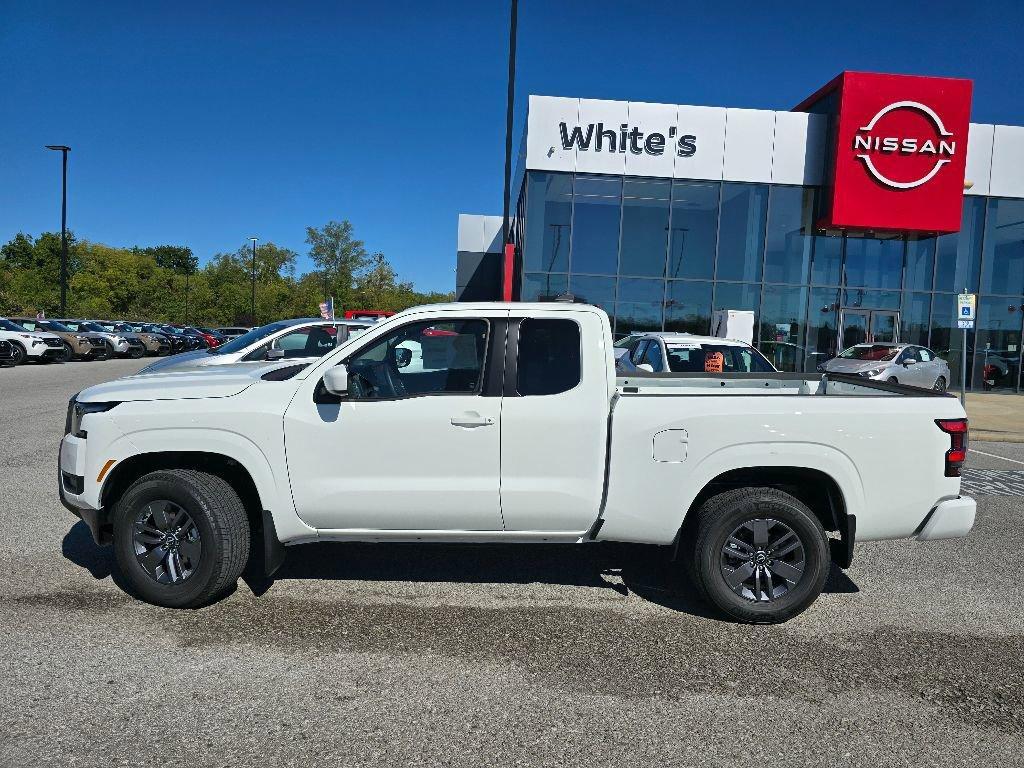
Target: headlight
119, 339
81, 338
873, 372
77, 410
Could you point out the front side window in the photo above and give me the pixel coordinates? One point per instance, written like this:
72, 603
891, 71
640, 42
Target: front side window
549, 357
881, 352
424, 358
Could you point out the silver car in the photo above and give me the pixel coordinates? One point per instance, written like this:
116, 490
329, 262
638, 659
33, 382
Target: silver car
895, 363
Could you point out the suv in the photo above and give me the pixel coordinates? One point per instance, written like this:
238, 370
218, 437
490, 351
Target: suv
155, 343
79, 346
32, 345
121, 344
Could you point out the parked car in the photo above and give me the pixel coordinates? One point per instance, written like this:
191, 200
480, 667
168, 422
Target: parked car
686, 353
121, 344
232, 332
6, 354
39, 346
892, 362
79, 346
189, 342
206, 340
176, 341
285, 339
534, 440
156, 343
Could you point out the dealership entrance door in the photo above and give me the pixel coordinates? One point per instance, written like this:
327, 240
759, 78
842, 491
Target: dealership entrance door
868, 325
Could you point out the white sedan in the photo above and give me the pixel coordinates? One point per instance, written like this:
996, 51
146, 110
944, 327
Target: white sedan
303, 338
668, 352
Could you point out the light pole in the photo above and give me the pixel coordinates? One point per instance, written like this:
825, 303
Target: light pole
63, 227
252, 306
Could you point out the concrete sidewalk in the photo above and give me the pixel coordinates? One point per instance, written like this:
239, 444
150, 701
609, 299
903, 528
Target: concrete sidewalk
995, 417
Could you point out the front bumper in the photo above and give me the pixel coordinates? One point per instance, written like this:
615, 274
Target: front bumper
70, 478
950, 519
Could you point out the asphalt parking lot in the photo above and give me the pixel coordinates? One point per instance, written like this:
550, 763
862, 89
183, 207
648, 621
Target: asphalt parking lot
416, 655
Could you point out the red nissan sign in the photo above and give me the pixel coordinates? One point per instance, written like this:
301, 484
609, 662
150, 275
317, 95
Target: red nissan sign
899, 150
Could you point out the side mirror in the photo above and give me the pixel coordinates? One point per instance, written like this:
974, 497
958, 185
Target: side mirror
336, 380
275, 354
403, 357
909, 362
645, 367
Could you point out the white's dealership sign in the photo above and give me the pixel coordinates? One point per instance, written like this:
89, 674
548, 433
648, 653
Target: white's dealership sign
600, 138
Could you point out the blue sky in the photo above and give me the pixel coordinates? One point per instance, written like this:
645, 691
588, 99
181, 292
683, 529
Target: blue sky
204, 123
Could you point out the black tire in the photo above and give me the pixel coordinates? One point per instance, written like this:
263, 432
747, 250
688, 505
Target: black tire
710, 531
893, 380
69, 354
219, 518
135, 353
110, 350
940, 384
19, 353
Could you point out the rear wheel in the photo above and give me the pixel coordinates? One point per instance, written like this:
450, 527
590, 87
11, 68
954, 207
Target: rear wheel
893, 380
757, 554
181, 537
940, 384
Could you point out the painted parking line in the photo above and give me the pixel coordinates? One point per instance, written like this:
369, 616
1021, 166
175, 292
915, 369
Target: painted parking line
993, 482
995, 456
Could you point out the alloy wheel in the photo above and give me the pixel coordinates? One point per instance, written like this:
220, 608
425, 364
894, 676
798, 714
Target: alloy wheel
762, 560
167, 542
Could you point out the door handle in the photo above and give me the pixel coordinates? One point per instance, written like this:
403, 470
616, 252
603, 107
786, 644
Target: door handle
472, 420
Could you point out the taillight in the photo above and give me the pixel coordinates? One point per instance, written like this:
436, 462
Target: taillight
957, 453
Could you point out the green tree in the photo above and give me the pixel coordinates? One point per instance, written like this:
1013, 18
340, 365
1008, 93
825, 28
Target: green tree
340, 257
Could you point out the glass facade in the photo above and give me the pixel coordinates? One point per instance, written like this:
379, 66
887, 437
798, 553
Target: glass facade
661, 254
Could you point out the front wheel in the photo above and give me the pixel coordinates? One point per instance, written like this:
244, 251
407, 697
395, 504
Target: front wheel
181, 537
69, 354
893, 380
759, 555
19, 354
940, 384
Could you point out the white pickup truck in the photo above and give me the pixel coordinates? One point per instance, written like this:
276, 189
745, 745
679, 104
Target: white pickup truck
511, 426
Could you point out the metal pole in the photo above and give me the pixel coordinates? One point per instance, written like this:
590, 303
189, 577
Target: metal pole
64, 235
509, 103
963, 372
186, 297
252, 305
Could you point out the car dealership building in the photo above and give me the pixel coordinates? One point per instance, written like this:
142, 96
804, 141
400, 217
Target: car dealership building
859, 215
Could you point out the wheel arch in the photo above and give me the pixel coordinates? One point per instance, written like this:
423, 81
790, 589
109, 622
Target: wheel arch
127, 471
814, 487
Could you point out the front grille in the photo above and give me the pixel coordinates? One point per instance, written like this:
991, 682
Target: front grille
96, 342
53, 342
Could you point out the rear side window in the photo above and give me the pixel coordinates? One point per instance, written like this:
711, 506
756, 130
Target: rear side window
549, 357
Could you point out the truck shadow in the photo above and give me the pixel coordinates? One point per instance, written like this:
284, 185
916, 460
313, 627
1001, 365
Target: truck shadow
645, 571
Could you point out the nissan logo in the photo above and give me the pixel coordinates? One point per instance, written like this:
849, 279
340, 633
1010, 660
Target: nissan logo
873, 141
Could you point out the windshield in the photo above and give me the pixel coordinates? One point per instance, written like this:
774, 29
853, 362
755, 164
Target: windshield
246, 339
870, 352
695, 357
53, 325
91, 326
7, 325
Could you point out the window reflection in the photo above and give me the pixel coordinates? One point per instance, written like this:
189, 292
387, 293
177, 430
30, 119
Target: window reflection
597, 205
543, 286
599, 291
947, 339
549, 197
787, 253
874, 262
644, 235
998, 340
1004, 248
780, 335
741, 232
693, 230
920, 267
827, 260
688, 306
822, 327
958, 256
915, 316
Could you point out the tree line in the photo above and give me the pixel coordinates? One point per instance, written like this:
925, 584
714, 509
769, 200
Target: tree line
165, 283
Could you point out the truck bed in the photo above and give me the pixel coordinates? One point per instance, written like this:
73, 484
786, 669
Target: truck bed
828, 384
